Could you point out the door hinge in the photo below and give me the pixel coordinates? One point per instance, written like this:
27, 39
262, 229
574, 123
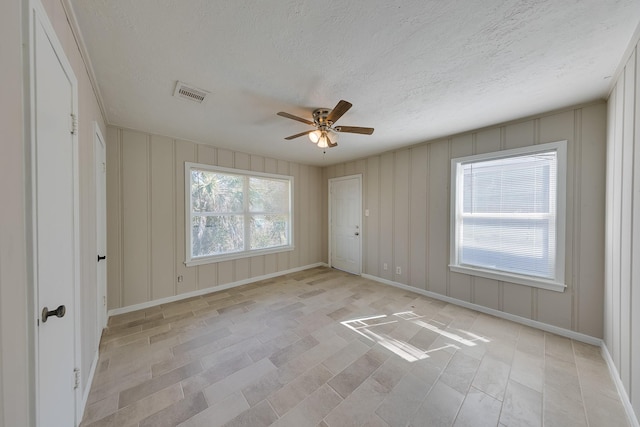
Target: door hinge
74, 124
76, 378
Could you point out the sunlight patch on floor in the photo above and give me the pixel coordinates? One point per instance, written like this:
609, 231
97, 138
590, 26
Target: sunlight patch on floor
365, 327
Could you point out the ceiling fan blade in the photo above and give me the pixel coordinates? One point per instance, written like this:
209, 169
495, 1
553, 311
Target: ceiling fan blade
331, 144
337, 112
298, 135
354, 129
292, 117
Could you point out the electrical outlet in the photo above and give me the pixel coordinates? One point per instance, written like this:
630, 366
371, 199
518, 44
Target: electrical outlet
366, 212
180, 279
385, 266
398, 270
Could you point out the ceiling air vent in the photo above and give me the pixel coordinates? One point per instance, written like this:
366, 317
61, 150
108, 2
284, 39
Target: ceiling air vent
190, 93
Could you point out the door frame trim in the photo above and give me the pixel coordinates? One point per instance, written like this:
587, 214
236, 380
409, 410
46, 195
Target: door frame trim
37, 15
329, 226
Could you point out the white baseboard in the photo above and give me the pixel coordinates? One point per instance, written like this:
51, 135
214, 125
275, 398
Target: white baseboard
615, 375
497, 313
87, 387
205, 291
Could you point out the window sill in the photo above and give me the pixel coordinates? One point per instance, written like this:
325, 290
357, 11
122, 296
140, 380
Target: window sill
550, 285
236, 255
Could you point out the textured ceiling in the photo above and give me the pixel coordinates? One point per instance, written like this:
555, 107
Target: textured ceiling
415, 70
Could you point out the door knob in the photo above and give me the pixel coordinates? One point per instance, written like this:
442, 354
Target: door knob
101, 257
357, 234
58, 312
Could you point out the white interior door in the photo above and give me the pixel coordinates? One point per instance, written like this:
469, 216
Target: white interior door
345, 217
101, 227
55, 225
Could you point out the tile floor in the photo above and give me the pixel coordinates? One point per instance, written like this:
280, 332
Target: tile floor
324, 348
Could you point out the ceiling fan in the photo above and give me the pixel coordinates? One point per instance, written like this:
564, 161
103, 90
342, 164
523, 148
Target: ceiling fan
325, 134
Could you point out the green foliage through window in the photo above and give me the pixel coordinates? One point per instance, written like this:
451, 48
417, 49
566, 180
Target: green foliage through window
236, 213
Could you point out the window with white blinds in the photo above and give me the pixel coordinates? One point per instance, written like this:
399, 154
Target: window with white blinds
508, 215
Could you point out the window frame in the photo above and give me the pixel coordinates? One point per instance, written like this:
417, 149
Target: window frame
190, 260
557, 283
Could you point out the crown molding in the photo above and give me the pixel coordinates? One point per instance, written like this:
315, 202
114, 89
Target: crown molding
84, 54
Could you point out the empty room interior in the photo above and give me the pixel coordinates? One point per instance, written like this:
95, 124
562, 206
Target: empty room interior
322, 214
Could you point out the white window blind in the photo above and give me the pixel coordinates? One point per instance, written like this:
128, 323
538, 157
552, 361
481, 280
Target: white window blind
506, 214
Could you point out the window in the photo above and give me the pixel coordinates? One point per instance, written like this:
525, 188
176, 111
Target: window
508, 215
233, 213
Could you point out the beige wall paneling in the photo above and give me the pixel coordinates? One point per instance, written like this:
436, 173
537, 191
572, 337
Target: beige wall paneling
418, 213
135, 217
207, 154
616, 219
315, 213
517, 299
257, 163
207, 275
15, 305
459, 284
371, 242
625, 221
592, 221
242, 270
303, 207
225, 158
226, 272
270, 165
424, 171
386, 215
163, 202
270, 263
486, 292
609, 241
114, 218
401, 216
553, 307
152, 196
622, 269
241, 161
635, 267
438, 244
349, 168
185, 151
519, 135
327, 173
256, 267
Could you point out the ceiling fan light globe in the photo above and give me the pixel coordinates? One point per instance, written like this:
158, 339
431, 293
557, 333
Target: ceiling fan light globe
315, 136
322, 142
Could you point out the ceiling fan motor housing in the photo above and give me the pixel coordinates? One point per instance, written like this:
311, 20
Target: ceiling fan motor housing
320, 116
